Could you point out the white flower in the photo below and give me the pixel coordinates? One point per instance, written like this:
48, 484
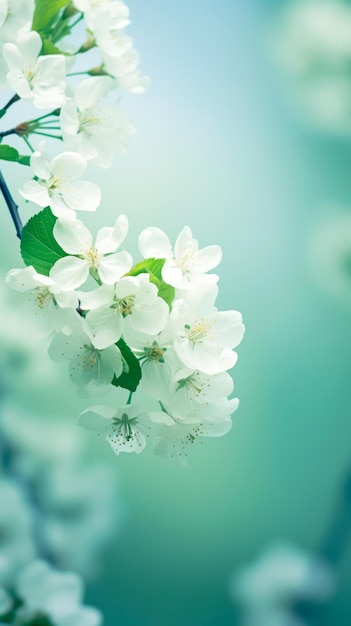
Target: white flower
117, 11
124, 67
133, 305
187, 264
204, 336
56, 595
15, 16
125, 429
158, 360
312, 43
57, 184
172, 442
35, 78
76, 239
44, 296
97, 131
195, 396
89, 367
283, 574
81, 517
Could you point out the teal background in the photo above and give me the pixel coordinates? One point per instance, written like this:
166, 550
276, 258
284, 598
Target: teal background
218, 148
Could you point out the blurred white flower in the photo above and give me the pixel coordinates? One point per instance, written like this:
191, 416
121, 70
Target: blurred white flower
53, 594
330, 255
312, 42
98, 131
57, 184
16, 543
39, 79
282, 576
89, 367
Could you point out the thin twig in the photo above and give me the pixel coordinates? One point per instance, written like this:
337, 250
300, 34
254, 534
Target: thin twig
12, 206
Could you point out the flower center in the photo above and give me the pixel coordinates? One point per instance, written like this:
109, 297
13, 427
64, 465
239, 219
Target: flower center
154, 353
125, 305
43, 296
124, 426
92, 256
192, 384
87, 120
198, 331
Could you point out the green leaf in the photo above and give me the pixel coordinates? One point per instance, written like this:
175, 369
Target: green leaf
7, 153
149, 266
131, 375
166, 292
45, 11
38, 244
153, 267
49, 48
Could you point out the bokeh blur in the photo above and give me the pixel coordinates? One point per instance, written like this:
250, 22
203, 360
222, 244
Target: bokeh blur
244, 135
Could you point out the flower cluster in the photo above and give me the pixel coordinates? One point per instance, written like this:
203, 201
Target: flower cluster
150, 327
154, 322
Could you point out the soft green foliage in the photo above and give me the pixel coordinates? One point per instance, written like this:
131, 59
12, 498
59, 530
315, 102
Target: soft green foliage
130, 378
38, 245
45, 12
153, 267
7, 153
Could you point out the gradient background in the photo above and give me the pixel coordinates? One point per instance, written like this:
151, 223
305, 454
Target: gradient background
218, 148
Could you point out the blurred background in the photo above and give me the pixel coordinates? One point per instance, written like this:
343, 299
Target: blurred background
244, 135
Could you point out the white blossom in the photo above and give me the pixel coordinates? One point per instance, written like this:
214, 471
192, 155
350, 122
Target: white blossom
116, 10
57, 184
88, 367
15, 17
39, 79
125, 429
134, 304
173, 442
98, 131
204, 336
187, 263
76, 239
44, 296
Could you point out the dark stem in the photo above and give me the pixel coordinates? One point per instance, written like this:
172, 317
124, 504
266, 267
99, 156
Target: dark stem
12, 206
12, 101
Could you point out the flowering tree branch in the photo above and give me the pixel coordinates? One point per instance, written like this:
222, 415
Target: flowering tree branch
11, 205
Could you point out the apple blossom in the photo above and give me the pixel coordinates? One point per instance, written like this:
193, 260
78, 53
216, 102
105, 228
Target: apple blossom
134, 305
204, 336
89, 367
57, 184
96, 130
39, 79
187, 264
75, 239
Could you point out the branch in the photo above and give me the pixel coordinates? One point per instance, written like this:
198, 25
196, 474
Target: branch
12, 206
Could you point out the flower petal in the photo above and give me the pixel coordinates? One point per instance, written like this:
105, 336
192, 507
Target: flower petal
70, 272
